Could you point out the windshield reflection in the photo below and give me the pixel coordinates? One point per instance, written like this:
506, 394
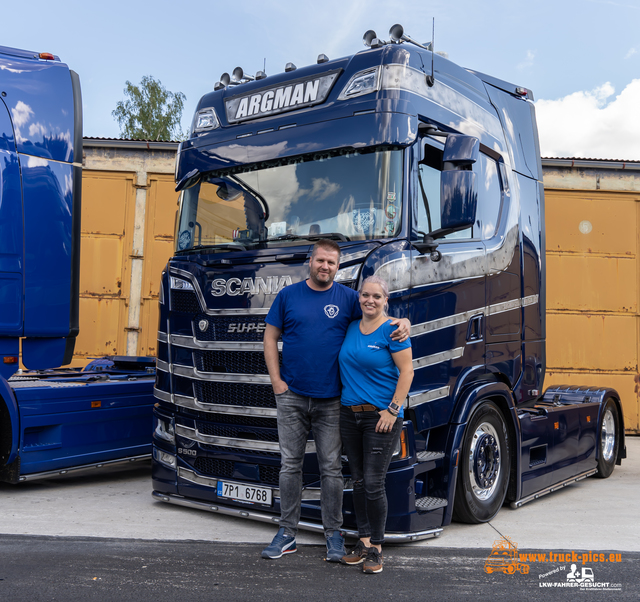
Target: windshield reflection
348, 197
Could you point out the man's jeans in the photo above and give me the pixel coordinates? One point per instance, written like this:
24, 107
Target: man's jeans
369, 454
296, 416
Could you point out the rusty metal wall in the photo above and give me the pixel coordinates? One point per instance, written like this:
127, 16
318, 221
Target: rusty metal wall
128, 210
593, 227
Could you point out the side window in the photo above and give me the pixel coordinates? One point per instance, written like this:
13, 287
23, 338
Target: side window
427, 214
489, 196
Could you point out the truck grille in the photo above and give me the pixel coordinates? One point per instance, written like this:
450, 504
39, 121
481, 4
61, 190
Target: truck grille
219, 449
236, 432
235, 362
235, 394
269, 475
268, 423
184, 302
251, 328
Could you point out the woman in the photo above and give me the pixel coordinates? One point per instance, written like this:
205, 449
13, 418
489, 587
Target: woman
376, 374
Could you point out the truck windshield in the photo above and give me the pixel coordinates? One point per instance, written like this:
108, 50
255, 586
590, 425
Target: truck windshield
354, 196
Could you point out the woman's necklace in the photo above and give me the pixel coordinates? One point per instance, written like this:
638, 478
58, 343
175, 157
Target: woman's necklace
370, 327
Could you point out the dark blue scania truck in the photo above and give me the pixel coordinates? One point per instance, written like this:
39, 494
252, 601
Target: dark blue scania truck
53, 421
426, 174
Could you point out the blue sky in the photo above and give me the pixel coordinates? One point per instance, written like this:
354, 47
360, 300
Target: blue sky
581, 58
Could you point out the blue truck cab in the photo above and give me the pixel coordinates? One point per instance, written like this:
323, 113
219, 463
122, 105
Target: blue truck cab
427, 175
51, 421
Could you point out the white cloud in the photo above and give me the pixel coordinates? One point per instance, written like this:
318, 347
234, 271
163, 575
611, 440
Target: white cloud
631, 52
593, 124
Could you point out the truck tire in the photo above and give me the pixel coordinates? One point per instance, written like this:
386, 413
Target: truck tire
608, 439
483, 475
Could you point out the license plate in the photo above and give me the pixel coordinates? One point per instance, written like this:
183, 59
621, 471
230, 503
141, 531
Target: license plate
244, 493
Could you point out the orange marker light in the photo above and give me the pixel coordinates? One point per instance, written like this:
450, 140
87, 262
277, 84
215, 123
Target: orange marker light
46, 56
96, 404
588, 418
10, 359
556, 425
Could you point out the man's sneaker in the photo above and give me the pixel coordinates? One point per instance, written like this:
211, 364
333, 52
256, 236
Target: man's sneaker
281, 544
335, 547
356, 555
373, 561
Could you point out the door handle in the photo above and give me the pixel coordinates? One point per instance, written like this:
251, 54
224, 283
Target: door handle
474, 330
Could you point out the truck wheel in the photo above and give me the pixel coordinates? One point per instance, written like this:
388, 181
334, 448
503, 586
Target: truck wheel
608, 439
483, 475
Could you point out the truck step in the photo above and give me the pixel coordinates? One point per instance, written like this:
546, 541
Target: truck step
430, 503
427, 456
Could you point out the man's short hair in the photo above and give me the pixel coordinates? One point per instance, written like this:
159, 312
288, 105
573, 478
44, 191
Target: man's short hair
327, 245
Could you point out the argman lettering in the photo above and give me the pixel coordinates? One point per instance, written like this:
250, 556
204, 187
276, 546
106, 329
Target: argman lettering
271, 285
271, 101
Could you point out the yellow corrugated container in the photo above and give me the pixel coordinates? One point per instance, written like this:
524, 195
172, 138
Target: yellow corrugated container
592, 288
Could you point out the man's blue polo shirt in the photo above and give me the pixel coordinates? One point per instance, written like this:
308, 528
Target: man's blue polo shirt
313, 325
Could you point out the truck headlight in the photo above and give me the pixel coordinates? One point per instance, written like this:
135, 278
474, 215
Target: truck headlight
164, 430
179, 284
205, 120
346, 274
361, 83
164, 458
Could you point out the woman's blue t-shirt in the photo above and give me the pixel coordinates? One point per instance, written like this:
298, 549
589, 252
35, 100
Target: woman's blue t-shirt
367, 370
313, 325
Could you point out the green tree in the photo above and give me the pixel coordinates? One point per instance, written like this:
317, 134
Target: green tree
150, 111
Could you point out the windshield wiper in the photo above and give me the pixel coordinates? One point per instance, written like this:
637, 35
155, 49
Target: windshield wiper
337, 235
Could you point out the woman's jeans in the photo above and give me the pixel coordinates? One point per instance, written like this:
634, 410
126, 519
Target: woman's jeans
297, 415
369, 455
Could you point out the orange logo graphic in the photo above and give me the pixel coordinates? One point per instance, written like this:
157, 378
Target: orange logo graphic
504, 558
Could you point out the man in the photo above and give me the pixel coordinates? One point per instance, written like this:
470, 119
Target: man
312, 316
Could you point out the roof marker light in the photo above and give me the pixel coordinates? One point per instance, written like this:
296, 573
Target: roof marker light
47, 56
261, 75
322, 58
219, 86
289, 67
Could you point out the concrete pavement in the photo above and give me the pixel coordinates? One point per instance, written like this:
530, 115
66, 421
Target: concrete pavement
594, 514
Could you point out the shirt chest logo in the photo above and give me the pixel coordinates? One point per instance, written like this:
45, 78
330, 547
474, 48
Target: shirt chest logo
331, 310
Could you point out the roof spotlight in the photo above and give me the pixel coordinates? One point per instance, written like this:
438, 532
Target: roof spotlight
290, 67
225, 79
368, 37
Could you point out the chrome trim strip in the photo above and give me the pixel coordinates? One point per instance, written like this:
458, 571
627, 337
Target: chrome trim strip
163, 366
195, 435
535, 496
461, 318
437, 358
265, 517
194, 404
416, 400
193, 343
440, 323
162, 337
222, 377
82, 468
162, 395
500, 308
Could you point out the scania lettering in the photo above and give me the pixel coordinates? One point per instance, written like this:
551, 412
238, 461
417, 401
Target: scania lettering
53, 421
427, 175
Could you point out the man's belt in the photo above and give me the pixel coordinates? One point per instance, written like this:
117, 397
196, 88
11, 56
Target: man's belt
364, 407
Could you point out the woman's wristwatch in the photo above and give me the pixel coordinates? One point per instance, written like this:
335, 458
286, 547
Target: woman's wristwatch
393, 409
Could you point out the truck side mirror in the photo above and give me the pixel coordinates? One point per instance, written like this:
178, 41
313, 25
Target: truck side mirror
458, 201
458, 195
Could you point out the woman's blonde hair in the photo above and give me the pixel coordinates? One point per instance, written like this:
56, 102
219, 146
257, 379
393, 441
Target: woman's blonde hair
383, 285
